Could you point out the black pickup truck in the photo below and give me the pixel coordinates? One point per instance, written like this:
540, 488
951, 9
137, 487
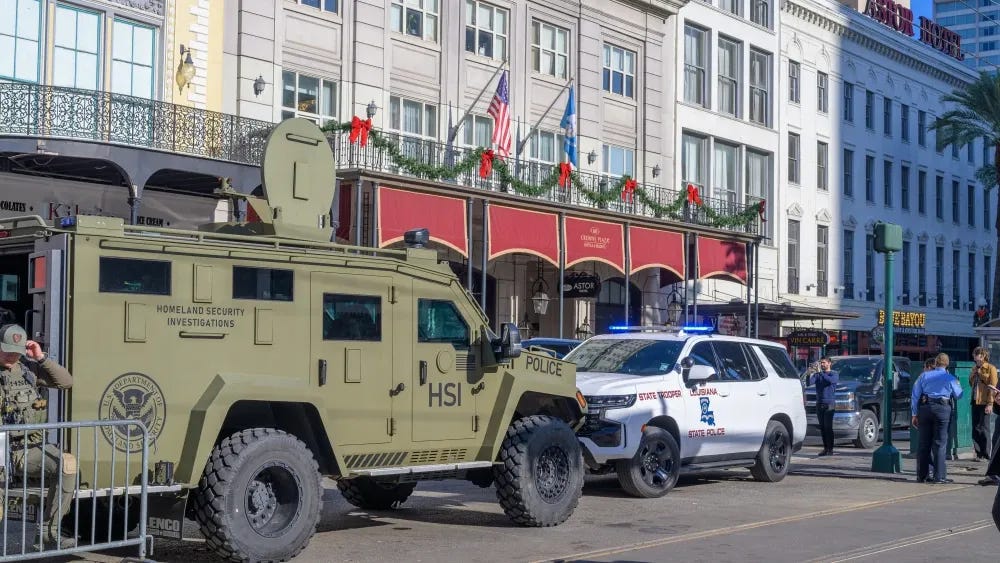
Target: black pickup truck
860, 396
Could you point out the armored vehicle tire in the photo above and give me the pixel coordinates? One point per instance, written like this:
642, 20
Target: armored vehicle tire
259, 497
539, 477
89, 515
654, 469
369, 494
775, 454
867, 430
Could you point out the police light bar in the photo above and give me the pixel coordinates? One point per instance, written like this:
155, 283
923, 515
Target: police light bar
698, 329
67, 222
641, 328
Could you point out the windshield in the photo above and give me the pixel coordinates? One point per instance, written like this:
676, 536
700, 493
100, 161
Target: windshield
627, 356
856, 369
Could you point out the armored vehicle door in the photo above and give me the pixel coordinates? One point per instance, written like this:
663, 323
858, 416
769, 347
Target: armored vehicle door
444, 402
352, 343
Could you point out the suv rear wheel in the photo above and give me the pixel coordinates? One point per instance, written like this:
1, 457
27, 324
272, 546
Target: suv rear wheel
653, 470
539, 477
867, 430
775, 454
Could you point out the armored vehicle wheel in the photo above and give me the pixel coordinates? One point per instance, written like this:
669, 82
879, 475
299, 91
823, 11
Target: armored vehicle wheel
775, 454
539, 477
369, 494
867, 430
96, 517
259, 497
653, 470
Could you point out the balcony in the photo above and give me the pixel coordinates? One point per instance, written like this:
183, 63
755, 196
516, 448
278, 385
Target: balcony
32, 110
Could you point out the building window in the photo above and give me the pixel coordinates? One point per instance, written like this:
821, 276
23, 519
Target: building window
887, 183
793, 256
133, 48
922, 275
938, 140
19, 40
848, 264
822, 165
794, 73
725, 164
619, 71
758, 174
327, 5
939, 197
870, 178
870, 267
848, 173
939, 277
956, 266
694, 65
760, 12
822, 92
921, 128
955, 203
904, 122
619, 161
731, 6
848, 102
906, 272
729, 76
549, 49
794, 156
546, 146
970, 152
869, 109
76, 48
760, 87
694, 160
477, 131
822, 260
954, 151
972, 281
887, 117
986, 210
904, 183
922, 192
411, 117
309, 97
418, 18
486, 30
971, 204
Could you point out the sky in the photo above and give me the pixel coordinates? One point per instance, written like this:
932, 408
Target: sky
921, 8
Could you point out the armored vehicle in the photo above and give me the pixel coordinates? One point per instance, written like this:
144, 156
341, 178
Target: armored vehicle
260, 356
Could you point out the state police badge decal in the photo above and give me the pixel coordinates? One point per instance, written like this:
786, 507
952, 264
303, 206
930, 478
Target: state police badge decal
132, 396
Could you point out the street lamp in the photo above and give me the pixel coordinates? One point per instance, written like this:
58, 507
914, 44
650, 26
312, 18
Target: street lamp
591, 156
656, 170
185, 70
583, 331
674, 310
258, 86
371, 109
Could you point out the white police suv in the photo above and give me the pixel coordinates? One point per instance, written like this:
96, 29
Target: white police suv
663, 402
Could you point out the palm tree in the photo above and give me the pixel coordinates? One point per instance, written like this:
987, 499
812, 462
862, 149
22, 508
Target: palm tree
976, 114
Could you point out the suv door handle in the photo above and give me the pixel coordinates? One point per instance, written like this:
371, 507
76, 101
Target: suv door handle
423, 372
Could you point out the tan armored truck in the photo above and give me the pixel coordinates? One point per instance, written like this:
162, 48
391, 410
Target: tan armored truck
260, 357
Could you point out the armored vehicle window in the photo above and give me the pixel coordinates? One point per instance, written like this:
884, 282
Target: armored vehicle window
125, 275
262, 283
352, 317
780, 362
439, 321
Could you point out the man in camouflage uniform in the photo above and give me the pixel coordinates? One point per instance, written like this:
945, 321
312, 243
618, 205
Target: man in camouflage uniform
24, 367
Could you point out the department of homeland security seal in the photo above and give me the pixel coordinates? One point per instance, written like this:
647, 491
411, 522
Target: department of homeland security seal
132, 396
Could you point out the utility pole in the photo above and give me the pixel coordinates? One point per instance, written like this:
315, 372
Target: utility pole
888, 239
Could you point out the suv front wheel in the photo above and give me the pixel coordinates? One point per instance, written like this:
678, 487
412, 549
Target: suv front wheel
653, 470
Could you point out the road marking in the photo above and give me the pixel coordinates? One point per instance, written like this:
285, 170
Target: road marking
751, 526
906, 542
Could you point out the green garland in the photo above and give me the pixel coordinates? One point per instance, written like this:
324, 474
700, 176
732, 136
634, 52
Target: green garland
600, 198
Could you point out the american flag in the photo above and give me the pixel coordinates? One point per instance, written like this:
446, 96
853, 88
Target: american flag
500, 110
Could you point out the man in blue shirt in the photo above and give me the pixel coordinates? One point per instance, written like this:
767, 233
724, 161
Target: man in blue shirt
826, 401
931, 403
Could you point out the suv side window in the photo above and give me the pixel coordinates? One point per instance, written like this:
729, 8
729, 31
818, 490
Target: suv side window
702, 355
439, 321
756, 366
780, 362
733, 361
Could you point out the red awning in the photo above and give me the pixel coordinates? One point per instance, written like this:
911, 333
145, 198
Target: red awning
402, 210
587, 239
722, 258
650, 248
521, 230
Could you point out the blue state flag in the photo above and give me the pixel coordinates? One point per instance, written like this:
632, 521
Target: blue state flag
569, 124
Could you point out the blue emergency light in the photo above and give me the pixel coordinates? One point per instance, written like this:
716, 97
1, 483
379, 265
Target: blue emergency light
67, 222
698, 329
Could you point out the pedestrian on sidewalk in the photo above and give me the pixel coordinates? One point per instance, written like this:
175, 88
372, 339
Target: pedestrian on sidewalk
993, 469
931, 404
982, 380
826, 401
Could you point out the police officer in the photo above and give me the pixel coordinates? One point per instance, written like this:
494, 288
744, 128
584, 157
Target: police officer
931, 403
23, 367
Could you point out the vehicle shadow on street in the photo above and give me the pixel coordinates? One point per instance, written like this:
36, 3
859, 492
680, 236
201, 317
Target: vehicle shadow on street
607, 486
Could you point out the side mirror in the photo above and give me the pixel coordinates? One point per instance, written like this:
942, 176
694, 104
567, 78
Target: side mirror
698, 374
510, 342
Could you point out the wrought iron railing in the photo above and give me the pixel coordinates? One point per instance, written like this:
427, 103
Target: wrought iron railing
50, 111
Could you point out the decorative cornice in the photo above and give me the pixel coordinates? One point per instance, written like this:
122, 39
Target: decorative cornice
850, 222
154, 7
940, 240
663, 8
973, 247
988, 250
794, 211
957, 244
922, 237
823, 216
870, 227
907, 234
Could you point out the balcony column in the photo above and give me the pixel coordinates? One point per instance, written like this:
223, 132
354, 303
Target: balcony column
134, 200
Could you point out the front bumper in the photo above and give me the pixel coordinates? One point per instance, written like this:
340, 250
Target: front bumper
605, 439
844, 424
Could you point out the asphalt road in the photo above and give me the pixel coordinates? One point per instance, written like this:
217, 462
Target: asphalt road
821, 512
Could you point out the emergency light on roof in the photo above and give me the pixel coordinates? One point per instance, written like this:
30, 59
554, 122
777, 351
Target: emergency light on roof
67, 221
646, 328
698, 329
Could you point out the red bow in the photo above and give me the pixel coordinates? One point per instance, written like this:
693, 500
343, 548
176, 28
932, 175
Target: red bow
628, 190
360, 129
564, 171
693, 195
760, 211
486, 163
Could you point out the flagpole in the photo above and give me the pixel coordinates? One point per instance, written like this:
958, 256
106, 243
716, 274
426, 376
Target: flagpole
451, 134
535, 127
517, 155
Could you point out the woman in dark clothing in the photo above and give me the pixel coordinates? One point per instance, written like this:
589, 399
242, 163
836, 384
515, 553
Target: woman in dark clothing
826, 385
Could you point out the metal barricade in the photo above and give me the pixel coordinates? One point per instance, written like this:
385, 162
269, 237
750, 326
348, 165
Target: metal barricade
107, 488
